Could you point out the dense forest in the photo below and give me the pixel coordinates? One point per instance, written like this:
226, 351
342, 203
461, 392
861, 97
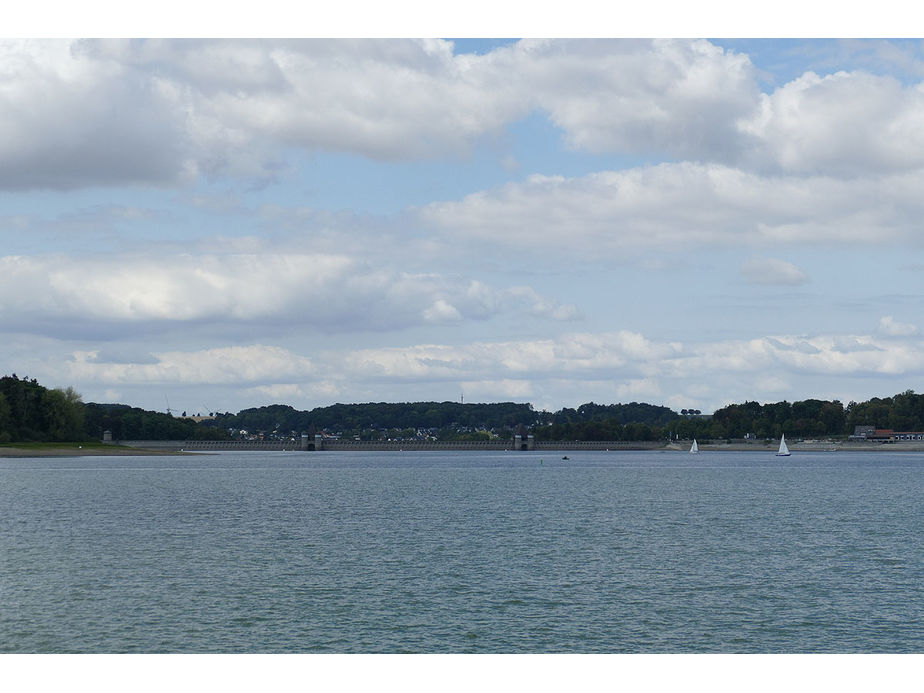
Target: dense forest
811, 418
452, 420
31, 412
634, 421
359, 419
132, 423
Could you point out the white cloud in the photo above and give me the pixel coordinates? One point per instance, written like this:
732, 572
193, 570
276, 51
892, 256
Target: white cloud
68, 122
830, 355
543, 306
677, 97
162, 111
46, 293
647, 389
496, 390
579, 352
681, 206
772, 384
166, 111
442, 311
841, 124
279, 392
772, 272
226, 365
888, 325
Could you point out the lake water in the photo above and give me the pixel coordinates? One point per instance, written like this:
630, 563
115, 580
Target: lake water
463, 552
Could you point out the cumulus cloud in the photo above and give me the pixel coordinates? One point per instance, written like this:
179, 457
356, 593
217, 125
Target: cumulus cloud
772, 272
163, 111
224, 104
496, 390
442, 311
236, 364
499, 366
680, 98
772, 384
68, 122
647, 389
579, 352
279, 392
46, 293
840, 124
544, 307
829, 355
683, 205
167, 111
890, 326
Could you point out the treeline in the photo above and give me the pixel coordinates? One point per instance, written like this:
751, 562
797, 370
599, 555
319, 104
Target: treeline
632, 413
356, 419
457, 421
132, 423
904, 412
633, 421
811, 418
609, 429
30, 412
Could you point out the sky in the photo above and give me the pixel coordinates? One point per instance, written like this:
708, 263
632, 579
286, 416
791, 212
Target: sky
215, 224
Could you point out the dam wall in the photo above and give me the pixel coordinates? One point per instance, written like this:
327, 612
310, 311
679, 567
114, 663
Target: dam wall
314, 445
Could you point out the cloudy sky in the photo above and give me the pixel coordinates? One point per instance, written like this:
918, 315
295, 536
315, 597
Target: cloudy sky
221, 224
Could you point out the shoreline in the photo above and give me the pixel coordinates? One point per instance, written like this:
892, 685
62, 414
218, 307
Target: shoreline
79, 450
806, 446
105, 450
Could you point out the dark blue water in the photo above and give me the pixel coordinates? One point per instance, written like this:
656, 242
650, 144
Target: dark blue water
463, 552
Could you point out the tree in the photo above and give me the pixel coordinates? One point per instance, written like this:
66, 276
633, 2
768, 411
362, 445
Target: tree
64, 415
5, 434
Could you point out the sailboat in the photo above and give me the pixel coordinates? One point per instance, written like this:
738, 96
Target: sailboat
695, 448
783, 451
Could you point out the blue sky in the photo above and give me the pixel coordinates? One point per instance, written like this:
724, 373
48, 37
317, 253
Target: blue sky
222, 223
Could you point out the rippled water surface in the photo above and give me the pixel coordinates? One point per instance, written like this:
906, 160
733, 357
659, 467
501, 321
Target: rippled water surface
463, 552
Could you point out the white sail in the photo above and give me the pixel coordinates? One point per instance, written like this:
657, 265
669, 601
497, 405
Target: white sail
695, 448
783, 451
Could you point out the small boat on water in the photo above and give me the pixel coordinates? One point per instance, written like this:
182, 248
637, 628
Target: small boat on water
783, 451
566, 457
694, 448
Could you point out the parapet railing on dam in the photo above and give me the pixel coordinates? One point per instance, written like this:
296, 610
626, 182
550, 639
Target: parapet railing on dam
328, 444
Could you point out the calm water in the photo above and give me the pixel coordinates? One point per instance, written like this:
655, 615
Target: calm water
463, 552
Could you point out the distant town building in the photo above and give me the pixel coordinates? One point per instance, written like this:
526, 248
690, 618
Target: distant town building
884, 435
863, 432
